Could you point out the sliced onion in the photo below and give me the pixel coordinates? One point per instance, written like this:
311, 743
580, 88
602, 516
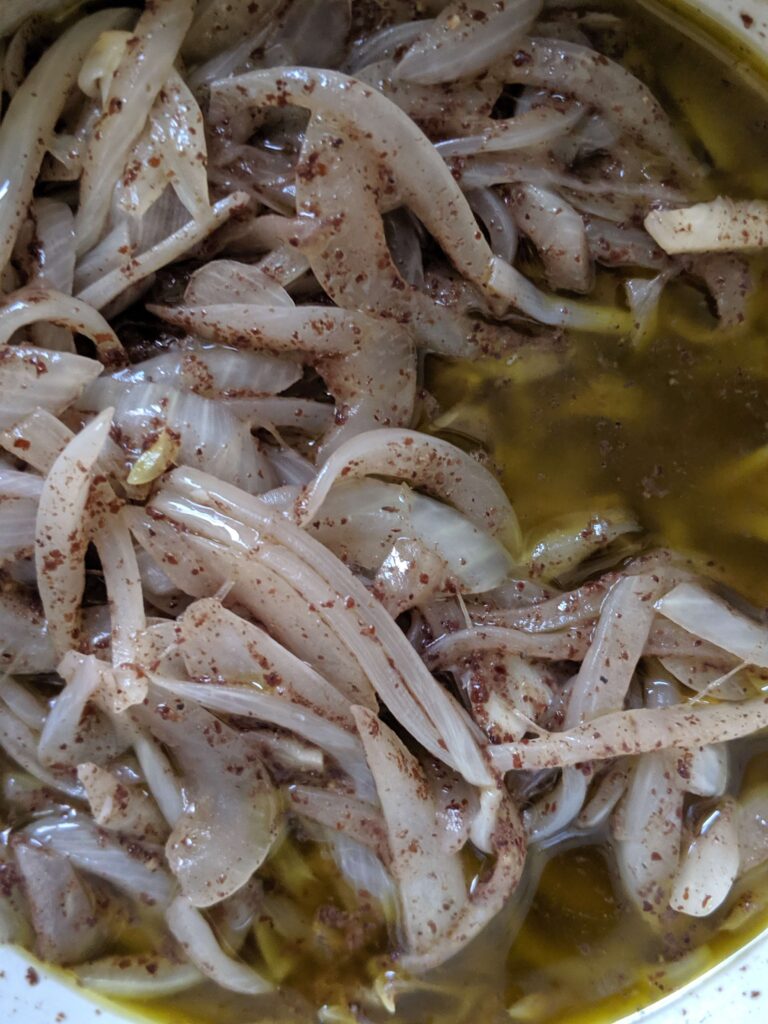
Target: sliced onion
145, 976
424, 461
220, 645
63, 910
715, 678
723, 225
18, 484
227, 793
324, 330
26, 647
14, 914
464, 41
103, 257
229, 282
409, 576
576, 537
604, 677
207, 434
178, 133
420, 174
123, 583
601, 83
273, 600
360, 820
133, 270
391, 664
248, 702
55, 235
118, 807
497, 218
635, 732
69, 736
24, 704
710, 618
35, 303
752, 824
384, 43
158, 775
607, 792
448, 651
140, 75
19, 742
358, 270
430, 881
558, 233
38, 439
707, 770
709, 866
31, 117
195, 936
557, 808
17, 528
32, 378
62, 530
361, 868
133, 868
534, 127
216, 372
648, 831
730, 282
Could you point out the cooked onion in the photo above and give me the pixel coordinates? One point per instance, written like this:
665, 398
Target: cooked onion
285, 687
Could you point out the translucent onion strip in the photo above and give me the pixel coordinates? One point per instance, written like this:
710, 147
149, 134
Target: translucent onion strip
466, 40
135, 269
426, 184
195, 936
399, 674
145, 976
635, 732
34, 303
724, 225
707, 616
145, 66
29, 122
438, 467
62, 529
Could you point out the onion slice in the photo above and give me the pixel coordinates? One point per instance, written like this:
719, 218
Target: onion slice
196, 937
62, 531
29, 123
701, 613
442, 469
34, 303
722, 225
638, 731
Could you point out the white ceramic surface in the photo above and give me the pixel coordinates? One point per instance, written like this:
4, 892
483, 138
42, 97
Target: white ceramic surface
736, 991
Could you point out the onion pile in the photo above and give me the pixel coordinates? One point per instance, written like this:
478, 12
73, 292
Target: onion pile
245, 604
